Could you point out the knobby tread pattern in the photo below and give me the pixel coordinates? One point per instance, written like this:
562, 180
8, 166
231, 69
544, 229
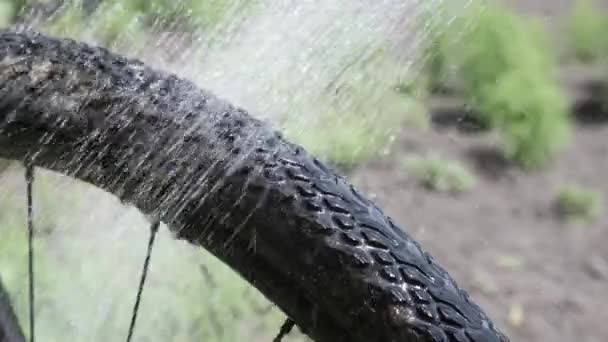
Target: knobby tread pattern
408, 286
310, 241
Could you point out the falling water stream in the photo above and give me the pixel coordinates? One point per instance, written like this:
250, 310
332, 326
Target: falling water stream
283, 60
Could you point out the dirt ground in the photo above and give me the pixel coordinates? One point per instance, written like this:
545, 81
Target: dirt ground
502, 240
539, 278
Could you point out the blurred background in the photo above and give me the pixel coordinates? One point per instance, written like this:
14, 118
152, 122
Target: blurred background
479, 126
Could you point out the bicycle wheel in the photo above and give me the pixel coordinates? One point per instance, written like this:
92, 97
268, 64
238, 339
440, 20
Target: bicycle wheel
220, 179
9, 327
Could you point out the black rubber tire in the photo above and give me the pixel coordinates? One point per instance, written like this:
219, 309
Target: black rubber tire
10, 331
308, 240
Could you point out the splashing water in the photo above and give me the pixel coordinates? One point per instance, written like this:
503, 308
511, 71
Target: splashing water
293, 62
298, 48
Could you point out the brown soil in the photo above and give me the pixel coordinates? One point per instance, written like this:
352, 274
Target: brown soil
541, 279
503, 240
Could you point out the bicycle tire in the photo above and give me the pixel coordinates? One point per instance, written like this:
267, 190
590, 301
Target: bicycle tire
221, 179
10, 331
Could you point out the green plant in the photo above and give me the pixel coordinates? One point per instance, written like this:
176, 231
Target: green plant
530, 114
505, 70
586, 30
359, 117
439, 174
577, 204
508, 76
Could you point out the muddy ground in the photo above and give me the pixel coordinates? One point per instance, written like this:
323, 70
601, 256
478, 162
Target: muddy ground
541, 279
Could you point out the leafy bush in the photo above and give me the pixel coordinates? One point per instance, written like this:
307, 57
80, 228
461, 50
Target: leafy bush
587, 27
577, 204
531, 116
508, 75
440, 174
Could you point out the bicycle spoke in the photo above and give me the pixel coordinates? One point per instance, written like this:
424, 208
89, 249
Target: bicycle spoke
285, 330
29, 179
153, 231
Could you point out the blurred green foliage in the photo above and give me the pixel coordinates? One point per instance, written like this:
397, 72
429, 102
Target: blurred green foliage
442, 30
87, 272
361, 114
351, 135
587, 27
577, 204
8, 11
110, 22
439, 174
507, 74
